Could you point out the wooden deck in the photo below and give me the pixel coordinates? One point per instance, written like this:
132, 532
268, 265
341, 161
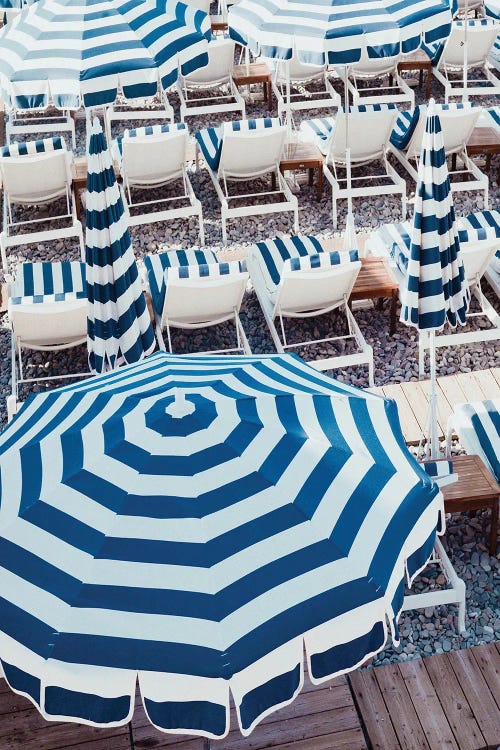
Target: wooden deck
413, 398
446, 701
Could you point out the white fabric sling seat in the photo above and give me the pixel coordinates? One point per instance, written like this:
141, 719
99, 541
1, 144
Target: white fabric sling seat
191, 289
488, 220
244, 151
370, 127
448, 59
477, 248
214, 81
477, 425
457, 123
369, 70
37, 173
295, 278
152, 157
47, 310
310, 85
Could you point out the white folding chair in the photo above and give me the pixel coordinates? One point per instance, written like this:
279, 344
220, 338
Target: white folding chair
213, 81
367, 71
294, 278
150, 158
32, 174
310, 85
28, 122
370, 127
47, 310
190, 289
244, 151
148, 109
457, 123
488, 220
449, 66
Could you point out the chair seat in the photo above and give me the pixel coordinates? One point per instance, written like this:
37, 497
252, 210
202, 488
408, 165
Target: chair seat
478, 426
210, 140
48, 282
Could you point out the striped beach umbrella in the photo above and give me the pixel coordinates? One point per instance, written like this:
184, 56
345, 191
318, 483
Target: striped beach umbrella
119, 328
435, 291
74, 52
193, 524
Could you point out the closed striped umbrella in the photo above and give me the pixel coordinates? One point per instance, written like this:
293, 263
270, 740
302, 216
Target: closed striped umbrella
74, 52
119, 328
194, 523
435, 291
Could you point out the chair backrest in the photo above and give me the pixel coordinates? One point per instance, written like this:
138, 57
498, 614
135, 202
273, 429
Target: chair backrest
370, 127
481, 36
299, 71
196, 299
457, 123
373, 67
315, 288
50, 325
477, 248
220, 64
150, 159
35, 172
251, 149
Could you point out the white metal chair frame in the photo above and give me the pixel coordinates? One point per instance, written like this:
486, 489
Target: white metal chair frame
246, 173
447, 72
137, 109
394, 93
23, 122
7, 239
136, 183
469, 168
276, 310
302, 98
340, 190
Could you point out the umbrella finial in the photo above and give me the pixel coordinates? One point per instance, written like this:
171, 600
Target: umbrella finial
180, 407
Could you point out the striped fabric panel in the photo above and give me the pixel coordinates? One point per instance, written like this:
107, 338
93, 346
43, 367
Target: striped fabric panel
335, 33
489, 221
272, 255
438, 468
478, 427
29, 148
83, 51
117, 145
492, 9
396, 238
434, 51
320, 260
119, 327
206, 270
408, 121
159, 265
290, 508
211, 139
494, 114
435, 290
48, 282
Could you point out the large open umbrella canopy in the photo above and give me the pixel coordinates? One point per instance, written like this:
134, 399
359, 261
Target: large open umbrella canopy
119, 328
435, 290
74, 52
193, 523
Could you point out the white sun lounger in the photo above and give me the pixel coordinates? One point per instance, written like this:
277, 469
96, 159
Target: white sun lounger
244, 151
477, 247
191, 289
27, 123
368, 70
47, 310
478, 428
370, 127
150, 158
489, 220
457, 123
220, 94
448, 59
294, 278
37, 173
310, 85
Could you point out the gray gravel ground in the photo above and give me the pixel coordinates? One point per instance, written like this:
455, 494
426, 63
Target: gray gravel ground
423, 632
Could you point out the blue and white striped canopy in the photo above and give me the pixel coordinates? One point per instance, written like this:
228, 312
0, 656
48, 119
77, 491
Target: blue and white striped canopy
193, 523
435, 290
70, 52
119, 328
337, 32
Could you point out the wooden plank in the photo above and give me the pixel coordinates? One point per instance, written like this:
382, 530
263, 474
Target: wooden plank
371, 705
350, 739
409, 424
487, 383
488, 661
404, 716
450, 387
426, 703
418, 403
64, 736
478, 693
495, 371
458, 712
470, 386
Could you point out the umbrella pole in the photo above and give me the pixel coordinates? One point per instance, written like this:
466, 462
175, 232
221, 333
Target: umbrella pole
131, 736
433, 429
466, 25
350, 232
288, 103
